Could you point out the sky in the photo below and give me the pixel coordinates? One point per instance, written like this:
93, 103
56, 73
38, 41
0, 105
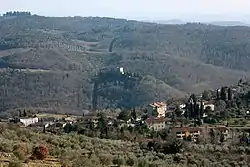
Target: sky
135, 9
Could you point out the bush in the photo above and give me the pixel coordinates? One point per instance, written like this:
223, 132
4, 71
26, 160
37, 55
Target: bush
6, 146
105, 159
20, 151
40, 152
130, 162
118, 161
143, 163
80, 162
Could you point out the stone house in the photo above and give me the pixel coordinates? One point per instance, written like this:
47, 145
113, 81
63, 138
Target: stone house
156, 124
207, 104
182, 132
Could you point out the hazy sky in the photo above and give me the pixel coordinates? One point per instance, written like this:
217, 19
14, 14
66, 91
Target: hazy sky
146, 9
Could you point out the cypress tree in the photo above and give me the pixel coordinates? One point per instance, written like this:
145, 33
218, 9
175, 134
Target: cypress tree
230, 94
133, 114
223, 93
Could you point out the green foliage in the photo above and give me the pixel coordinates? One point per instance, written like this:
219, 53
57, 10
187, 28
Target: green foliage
206, 95
124, 115
130, 162
17, 13
172, 61
79, 150
143, 162
21, 151
105, 159
118, 161
102, 125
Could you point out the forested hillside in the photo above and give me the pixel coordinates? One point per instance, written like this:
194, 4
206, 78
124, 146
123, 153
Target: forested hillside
51, 62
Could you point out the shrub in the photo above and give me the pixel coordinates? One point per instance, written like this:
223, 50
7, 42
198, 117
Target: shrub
105, 159
6, 146
143, 162
80, 162
118, 161
40, 152
130, 162
20, 151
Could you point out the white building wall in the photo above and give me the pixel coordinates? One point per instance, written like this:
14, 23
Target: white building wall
29, 121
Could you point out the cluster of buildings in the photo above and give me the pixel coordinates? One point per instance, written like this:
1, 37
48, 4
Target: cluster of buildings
44, 123
156, 120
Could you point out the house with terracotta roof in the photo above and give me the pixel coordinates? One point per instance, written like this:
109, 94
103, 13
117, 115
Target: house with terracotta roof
156, 124
157, 110
182, 132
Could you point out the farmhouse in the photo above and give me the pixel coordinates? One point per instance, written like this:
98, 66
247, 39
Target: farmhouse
208, 104
28, 121
182, 132
156, 124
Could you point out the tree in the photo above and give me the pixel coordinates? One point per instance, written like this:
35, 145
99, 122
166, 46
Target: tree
124, 115
174, 119
218, 94
238, 102
201, 109
197, 111
223, 93
248, 97
213, 135
24, 113
187, 113
220, 105
133, 114
102, 125
222, 137
240, 81
68, 128
230, 94
178, 112
193, 98
206, 95
154, 112
224, 114
208, 110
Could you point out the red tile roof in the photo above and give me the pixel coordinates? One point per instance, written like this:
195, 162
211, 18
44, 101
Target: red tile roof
186, 129
158, 104
151, 121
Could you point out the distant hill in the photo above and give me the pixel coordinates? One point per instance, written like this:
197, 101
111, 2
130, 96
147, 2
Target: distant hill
228, 23
217, 23
52, 61
174, 21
